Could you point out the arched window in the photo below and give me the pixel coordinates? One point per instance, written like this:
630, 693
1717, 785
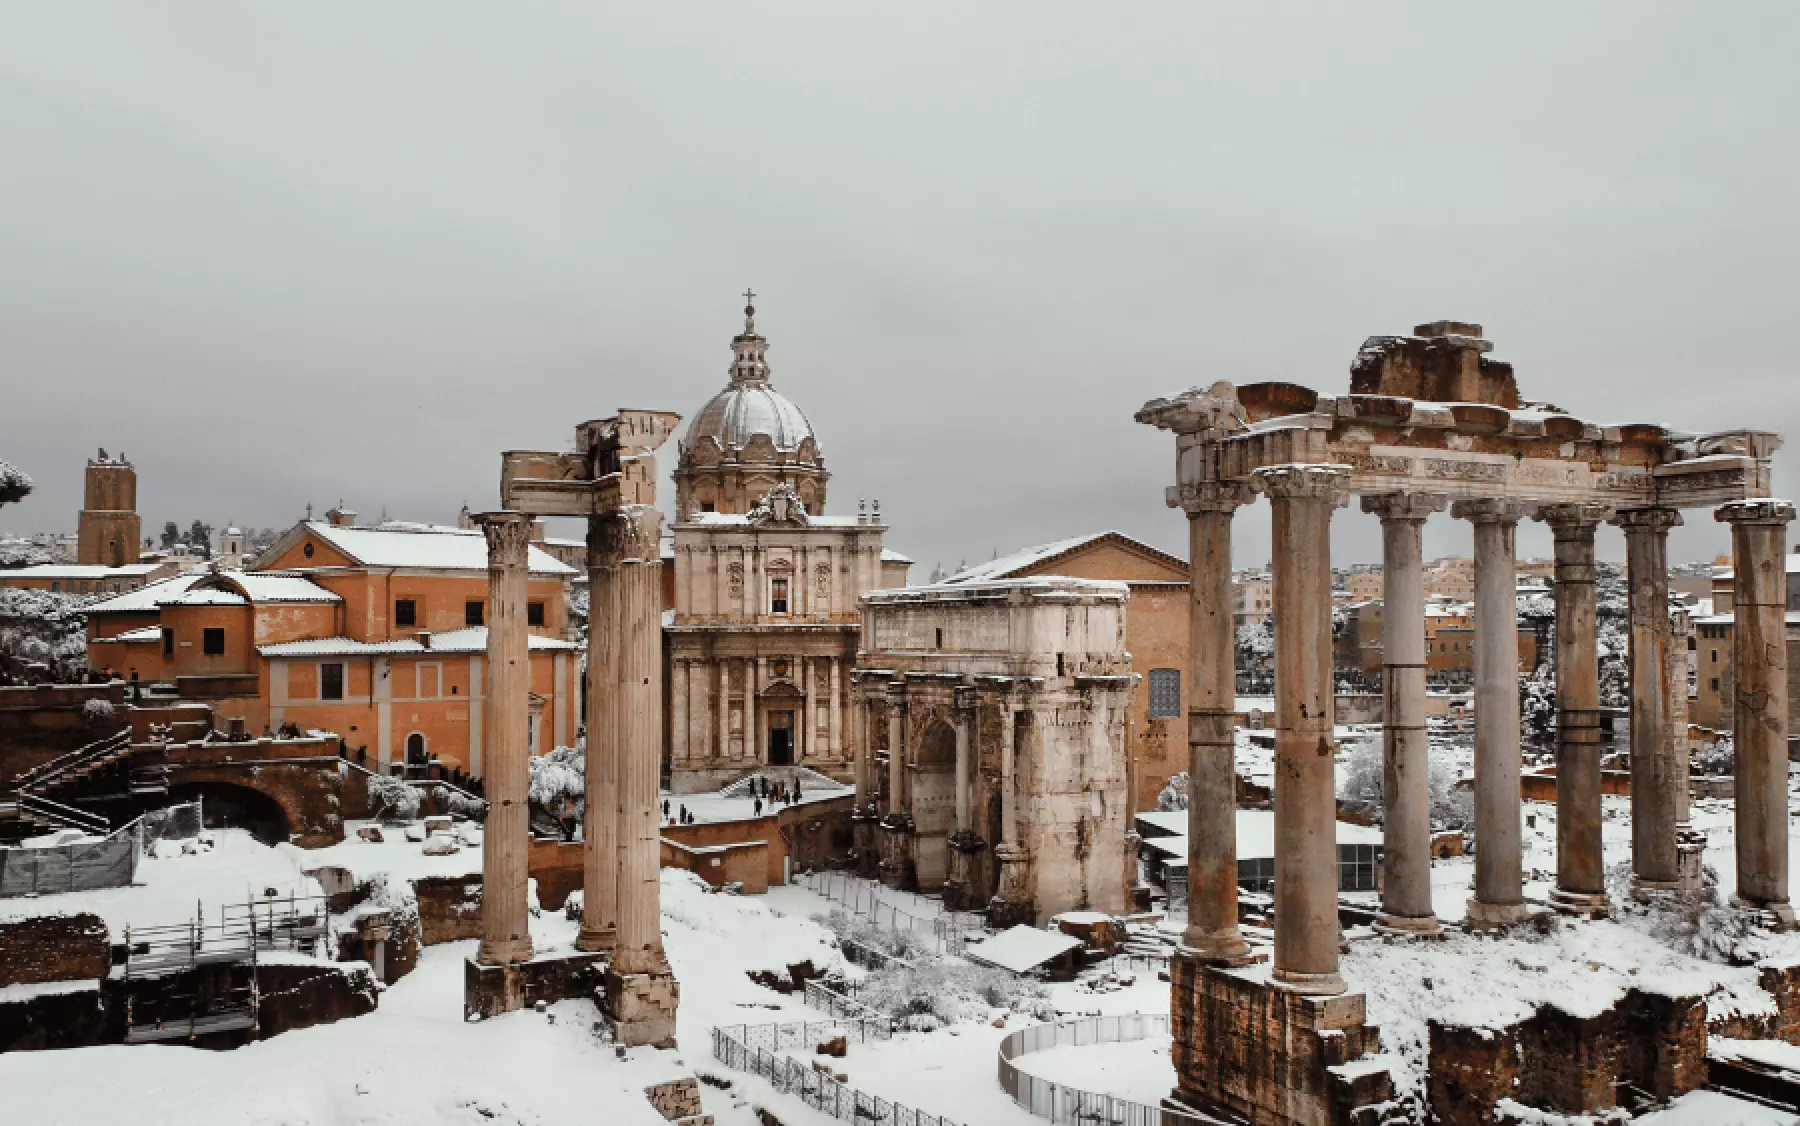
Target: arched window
415, 750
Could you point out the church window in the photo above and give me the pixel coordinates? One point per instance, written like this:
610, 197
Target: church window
778, 596
1165, 693
307, 550
940, 637
212, 641
472, 614
406, 612
331, 681
534, 613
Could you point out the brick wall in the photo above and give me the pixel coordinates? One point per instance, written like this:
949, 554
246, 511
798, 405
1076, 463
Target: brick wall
556, 866
449, 908
54, 948
744, 863
38, 724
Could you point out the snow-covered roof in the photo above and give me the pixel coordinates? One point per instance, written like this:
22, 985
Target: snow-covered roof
145, 635
1008, 565
470, 640
1021, 949
427, 547
206, 596
1255, 833
889, 555
81, 571
146, 599
274, 586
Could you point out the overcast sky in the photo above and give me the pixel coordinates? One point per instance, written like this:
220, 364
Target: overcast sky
282, 253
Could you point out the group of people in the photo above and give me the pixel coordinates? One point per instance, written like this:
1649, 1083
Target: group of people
681, 817
777, 794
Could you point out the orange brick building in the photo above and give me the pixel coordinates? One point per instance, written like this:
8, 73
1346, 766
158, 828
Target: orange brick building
373, 633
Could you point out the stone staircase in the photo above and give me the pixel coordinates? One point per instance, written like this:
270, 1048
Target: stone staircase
45, 796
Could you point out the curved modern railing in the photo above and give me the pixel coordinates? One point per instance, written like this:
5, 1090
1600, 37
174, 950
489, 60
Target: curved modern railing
1064, 1104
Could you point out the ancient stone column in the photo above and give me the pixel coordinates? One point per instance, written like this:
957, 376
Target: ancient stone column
506, 841
1406, 751
1580, 873
1759, 702
1013, 902
1306, 884
1658, 781
642, 994
600, 823
965, 718
897, 825
962, 888
1499, 884
1212, 933
896, 746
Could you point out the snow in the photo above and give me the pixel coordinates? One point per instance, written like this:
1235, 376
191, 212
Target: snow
274, 586
1140, 1070
1020, 949
1775, 1054
427, 547
83, 571
31, 991
1714, 1108
146, 599
471, 639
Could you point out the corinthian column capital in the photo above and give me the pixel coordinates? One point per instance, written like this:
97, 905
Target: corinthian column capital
1574, 517
1306, 482
1653, 521
1491, 510
1412, 507
1210, 496
1764, 510
508, 537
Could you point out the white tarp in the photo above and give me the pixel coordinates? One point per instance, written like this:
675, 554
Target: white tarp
1020, 949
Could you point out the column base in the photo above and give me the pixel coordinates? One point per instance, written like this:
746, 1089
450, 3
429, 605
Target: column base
1408, 926
597, 940
1218, 948
1655, 891
1581, 904
641, 1008
490, 989
1776, 916
1310, 985
504, 953
1497, 916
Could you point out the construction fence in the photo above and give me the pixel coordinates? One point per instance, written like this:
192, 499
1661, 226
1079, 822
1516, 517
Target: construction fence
930, 926
761, 1050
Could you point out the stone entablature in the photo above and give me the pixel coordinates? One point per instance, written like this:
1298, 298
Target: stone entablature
1000, 709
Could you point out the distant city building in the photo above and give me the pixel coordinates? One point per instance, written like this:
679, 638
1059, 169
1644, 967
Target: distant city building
110, 531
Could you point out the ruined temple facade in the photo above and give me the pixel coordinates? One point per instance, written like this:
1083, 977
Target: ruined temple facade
1433, 423
992, 763
766, 590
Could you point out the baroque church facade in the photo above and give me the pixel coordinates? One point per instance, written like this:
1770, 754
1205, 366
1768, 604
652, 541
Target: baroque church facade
767, 591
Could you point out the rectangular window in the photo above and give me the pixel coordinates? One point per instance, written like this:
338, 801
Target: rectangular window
534, 613
1165, 693
168, 642
778, 596
1715, 684
472, 614
406, 612
212, 641
331, 681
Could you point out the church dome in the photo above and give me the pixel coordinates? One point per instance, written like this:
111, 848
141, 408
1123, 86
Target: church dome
743, 410
749, 405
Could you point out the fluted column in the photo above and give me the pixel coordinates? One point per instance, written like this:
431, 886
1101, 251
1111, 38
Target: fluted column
1212, 933
506, 843
1580, 873
1499, 898
1759, 702
1306, 919
896, 741
1013, 901
965, 719
1406, 905
1658, 783
600, 821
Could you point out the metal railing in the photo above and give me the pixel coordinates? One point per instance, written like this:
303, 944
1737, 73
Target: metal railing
761, 1050
1061, 1103
838, 1005
945, 932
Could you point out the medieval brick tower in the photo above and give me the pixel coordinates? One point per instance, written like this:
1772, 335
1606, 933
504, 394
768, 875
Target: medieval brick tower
109, 527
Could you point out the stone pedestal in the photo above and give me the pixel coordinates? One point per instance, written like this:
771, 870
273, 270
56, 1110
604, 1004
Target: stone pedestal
1759, 712
897, 862
1264, 1054
865, 825
966, 889
1499, 898
489, 990
1212, 933
1406, 906
1013, 903
1580, 874
642, 1007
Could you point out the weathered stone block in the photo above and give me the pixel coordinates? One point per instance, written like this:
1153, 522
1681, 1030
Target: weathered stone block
54, 948
642, 1008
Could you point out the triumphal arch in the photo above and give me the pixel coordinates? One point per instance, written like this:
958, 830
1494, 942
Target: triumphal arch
1432, 422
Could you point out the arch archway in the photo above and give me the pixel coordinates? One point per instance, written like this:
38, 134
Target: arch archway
934, 803
224, 805
415, 750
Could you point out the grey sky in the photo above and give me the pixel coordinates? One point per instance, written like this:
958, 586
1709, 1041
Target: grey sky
283, 253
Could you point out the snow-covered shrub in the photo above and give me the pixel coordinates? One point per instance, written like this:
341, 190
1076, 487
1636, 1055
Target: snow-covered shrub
559, 786
1452, 807
463, 805
1174, 796
392, 799
1361, 786
97, 713
936, 993
44, 627
890, 941
1716, 757
14, 485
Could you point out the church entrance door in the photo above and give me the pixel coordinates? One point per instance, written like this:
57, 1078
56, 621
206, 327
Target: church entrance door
781, 738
